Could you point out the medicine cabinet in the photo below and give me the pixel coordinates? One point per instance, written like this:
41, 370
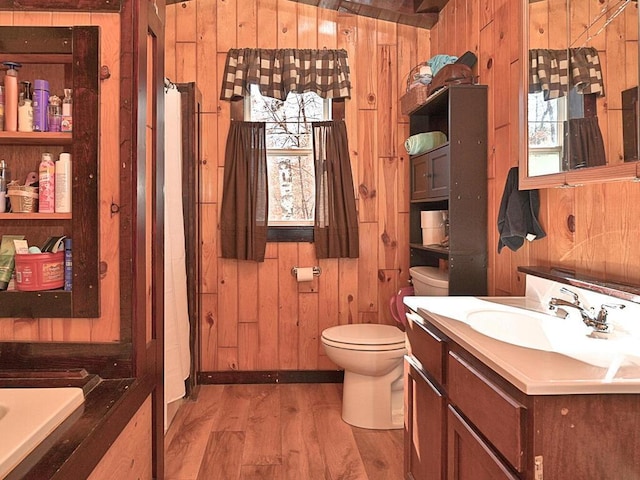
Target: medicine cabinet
583, 129
68, 57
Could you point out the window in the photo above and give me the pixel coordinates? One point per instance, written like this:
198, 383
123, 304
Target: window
290, 164
546, 120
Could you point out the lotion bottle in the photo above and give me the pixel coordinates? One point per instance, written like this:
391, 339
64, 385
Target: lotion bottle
25, 108
46, 181
11, 96
63, 184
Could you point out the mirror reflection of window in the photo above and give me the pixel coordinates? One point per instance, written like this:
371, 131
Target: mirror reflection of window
546, 120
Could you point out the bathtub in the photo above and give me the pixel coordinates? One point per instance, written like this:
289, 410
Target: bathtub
28, 416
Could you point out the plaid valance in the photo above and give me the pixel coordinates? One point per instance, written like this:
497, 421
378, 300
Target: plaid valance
278, 72
550, 71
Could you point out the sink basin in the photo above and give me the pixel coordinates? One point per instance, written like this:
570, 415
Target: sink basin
521, 329
568, 336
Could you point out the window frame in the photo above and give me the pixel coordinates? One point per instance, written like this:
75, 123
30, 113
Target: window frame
289, 233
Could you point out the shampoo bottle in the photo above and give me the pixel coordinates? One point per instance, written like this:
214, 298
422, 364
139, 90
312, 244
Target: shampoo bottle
63, 184
11, 97
41, 106
46, 179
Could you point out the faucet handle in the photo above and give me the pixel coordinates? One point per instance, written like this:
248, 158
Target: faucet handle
601, 320
576, 299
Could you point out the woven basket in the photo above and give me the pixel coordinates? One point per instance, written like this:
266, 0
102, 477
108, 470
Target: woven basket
416, 96
414, 99
23, 199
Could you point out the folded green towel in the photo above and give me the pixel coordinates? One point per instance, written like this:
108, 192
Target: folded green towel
423, 142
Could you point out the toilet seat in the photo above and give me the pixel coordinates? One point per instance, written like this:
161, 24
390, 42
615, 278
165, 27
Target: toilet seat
364, 336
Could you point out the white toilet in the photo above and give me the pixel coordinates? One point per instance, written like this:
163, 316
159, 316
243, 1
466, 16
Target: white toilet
429, 281
372, 357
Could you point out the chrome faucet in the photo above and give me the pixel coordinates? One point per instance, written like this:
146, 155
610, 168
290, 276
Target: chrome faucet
598, 321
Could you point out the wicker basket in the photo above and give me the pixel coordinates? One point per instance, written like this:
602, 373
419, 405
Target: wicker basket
414, 99
24, 199
416, 96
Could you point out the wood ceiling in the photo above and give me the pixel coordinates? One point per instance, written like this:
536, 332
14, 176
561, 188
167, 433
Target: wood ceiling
418, 13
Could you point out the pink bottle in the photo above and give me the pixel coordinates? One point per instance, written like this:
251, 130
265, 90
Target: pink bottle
46, 179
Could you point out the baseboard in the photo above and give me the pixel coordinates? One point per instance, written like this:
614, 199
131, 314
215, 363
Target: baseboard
277, 376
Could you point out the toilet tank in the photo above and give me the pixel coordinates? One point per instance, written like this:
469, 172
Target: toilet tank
429, 281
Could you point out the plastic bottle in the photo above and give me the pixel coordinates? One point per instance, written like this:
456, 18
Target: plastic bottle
68, 265
5, 178
67, 111
55, 113
25, 108
11, 97
40, 106
46, 179
63, 184
1, 108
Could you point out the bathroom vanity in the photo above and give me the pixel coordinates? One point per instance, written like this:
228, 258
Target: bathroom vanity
481, 408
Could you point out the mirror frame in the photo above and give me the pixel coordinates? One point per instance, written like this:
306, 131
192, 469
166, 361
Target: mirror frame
629, 171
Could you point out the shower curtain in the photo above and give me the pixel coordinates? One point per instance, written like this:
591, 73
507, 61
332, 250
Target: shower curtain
177, 356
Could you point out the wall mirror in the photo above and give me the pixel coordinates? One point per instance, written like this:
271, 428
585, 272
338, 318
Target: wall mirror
580, 92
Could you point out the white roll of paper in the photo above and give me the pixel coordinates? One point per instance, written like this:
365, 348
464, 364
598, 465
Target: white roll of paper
431, 219
304, 274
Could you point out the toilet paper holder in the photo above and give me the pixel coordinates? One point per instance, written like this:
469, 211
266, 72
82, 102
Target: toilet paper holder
316, 271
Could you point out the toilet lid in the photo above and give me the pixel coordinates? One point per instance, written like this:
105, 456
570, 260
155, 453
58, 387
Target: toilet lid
365, 334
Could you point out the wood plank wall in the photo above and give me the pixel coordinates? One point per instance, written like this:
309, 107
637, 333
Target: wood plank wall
106, 328
256, 316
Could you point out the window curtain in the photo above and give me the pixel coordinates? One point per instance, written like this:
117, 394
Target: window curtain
336, 223
244, 211
584, 146
553, 72
278, 72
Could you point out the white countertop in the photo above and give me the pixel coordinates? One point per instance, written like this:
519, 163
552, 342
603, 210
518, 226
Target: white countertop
534, 372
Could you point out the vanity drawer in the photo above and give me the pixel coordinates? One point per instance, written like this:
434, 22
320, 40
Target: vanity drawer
498, 416
426, 346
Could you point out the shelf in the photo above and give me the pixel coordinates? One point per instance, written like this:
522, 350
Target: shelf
36, 138
442, 145
36, 216
431, 248
45, 304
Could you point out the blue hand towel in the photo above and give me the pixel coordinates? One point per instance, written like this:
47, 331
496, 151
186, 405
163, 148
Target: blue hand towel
423, 142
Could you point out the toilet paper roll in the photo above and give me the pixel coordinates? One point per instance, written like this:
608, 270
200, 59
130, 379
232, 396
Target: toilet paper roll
432, 236
431, 219
304, 274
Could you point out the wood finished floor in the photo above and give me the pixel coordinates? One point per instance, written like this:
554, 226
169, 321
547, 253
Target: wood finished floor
280, 432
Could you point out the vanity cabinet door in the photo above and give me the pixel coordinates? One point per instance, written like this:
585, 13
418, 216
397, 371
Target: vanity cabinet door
495, 413
425, 427
469, 458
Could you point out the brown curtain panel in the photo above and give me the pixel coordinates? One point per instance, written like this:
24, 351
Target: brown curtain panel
244, 212
278, 72
336, 220
583, 144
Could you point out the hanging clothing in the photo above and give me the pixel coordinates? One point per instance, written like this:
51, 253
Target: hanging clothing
518, 214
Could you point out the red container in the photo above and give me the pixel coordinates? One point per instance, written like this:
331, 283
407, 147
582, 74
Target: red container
39, 271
